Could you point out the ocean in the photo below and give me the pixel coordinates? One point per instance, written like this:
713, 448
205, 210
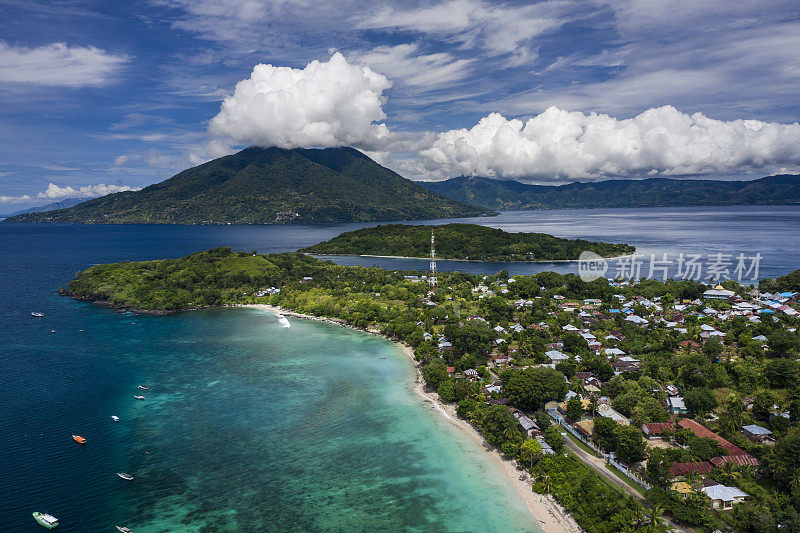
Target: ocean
249, 425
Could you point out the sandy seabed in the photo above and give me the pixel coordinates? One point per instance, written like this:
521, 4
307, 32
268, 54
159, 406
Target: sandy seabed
552, 517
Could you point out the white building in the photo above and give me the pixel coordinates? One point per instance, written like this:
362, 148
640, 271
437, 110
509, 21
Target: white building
723, 497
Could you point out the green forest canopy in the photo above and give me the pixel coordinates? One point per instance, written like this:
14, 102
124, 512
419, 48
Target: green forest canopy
462, 241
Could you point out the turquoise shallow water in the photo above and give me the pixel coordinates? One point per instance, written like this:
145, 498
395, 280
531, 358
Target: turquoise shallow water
248, 426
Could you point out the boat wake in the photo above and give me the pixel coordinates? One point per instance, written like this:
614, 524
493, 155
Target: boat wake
283, 321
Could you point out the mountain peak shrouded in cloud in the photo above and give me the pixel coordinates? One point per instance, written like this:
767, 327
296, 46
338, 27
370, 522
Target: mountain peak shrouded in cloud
430, 89
559, 145
271, 185
331, 103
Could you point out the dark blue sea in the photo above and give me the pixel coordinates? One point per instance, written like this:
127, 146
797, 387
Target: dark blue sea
252, 426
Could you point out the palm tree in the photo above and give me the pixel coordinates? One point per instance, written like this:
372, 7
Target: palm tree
794, 484
510, 432
730, 472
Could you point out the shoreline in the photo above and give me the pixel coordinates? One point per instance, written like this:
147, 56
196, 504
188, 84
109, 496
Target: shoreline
541, 261
546, 511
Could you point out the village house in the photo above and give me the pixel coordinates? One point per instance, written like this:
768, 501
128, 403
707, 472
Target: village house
555, 356
546, 449
656, 430
682, 488
626, 364
686, 469
758, 434
676, 405
735, 455
585, 427
723, 497
607, 411
501, 359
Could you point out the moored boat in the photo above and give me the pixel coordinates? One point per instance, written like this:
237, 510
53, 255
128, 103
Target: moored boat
79, 439
124, 529
138, 397
144, 387
47, 520
115, 418
126, 477
37, 314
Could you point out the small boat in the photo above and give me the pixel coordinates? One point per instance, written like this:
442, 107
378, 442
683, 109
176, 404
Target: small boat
124, 529
126, 477
79, 439
37, 314
383, 358
47, 520
139, 397
144, 387
115, 418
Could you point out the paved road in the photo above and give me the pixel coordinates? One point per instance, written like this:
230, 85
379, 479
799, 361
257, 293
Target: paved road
599, 465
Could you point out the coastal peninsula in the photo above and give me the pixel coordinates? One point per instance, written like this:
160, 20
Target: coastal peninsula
621, 399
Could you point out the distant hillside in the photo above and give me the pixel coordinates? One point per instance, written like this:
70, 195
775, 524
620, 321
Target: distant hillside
653, 192
462, 241
61, 204
270, 185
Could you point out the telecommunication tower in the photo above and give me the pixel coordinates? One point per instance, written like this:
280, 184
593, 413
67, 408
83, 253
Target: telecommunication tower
432, 273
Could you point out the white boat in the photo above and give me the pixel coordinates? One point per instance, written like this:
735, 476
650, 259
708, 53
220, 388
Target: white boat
37, 314
115, 418
144, 387
138, 397
124, 529
126, 477
45, 519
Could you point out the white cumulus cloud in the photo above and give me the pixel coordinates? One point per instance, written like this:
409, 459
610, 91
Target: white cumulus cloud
57, 65
558, 144
55, 192
12, 199
330, 103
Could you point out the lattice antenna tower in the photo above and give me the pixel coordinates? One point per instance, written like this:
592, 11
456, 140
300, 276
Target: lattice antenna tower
432, 273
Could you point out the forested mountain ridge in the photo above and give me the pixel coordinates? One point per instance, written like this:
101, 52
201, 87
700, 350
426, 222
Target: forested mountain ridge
783, 189
270, 185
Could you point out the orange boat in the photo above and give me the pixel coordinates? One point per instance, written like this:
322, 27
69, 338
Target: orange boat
79, 439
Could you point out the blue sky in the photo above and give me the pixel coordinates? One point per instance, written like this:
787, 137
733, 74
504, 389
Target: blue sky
126, 94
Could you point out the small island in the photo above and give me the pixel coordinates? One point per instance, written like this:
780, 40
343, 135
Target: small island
470, 242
